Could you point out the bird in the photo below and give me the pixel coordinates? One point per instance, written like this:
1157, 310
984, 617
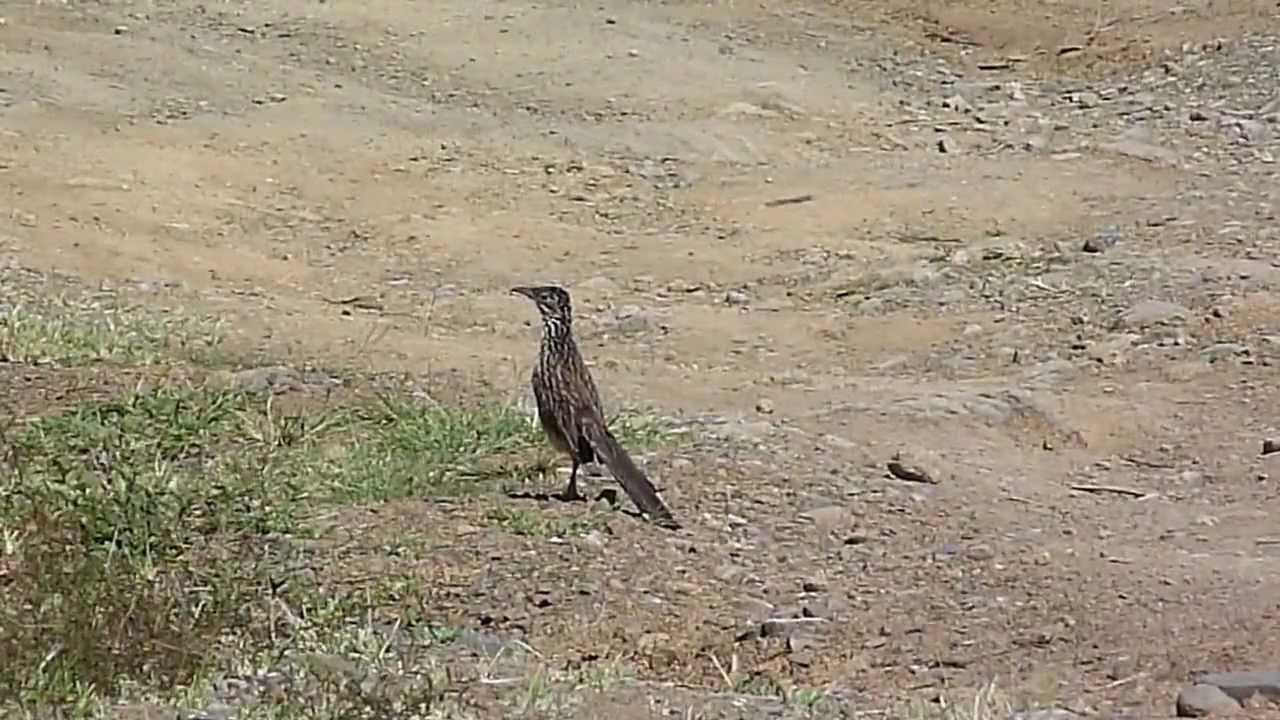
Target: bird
569, 408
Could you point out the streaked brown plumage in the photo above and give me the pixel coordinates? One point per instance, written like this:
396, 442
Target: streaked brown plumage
569, 407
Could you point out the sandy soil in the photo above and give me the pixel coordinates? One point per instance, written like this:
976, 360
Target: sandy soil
922, 289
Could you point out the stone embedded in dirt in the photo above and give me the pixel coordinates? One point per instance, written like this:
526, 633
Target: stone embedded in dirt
257, 379
1140, 150
1206, 700
332, 667
746, 109
1243, 685
630, 320
144, 711
979, 552
787, 627
909, 469
1152, 312
1270, 446
1222, 351
1045, 714
947, 145
828, 518
764, 406
957, 103
1102, 240
599, 283
1251, 132
1087, 99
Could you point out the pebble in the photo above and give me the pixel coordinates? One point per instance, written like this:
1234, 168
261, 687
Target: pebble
764, 406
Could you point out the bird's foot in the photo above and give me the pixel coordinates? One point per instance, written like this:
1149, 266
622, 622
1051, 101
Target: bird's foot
570, 495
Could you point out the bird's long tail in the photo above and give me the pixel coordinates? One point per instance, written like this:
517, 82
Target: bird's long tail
632, 479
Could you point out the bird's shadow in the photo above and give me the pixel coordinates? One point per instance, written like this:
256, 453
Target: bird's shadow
609, 495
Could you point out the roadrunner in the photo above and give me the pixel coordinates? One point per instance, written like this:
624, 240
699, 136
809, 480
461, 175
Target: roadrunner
569, 407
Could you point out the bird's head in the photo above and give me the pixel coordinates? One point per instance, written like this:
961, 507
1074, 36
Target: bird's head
552, 301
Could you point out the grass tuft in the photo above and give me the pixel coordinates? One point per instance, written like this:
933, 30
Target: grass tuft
74, 330
410, 448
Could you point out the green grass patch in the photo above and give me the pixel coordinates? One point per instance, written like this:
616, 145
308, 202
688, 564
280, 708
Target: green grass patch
147, 538
75, 329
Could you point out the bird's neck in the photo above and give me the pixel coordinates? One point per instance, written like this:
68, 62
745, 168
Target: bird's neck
557, 331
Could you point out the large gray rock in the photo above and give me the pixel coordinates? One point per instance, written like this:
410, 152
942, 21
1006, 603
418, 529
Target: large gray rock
1245, 684
1206, 700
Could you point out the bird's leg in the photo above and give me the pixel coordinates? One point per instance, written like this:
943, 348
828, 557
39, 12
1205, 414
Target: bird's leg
571, 493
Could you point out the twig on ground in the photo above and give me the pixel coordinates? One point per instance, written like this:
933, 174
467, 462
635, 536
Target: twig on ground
793, 200
1147, 463
1112, 489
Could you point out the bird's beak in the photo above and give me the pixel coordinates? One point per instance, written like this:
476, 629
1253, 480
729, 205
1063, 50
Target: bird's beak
522, 291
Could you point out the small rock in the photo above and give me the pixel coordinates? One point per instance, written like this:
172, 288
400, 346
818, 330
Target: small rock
829, 517
642, 282
787, 627
947, 146
1045, 714
1102, 240
1205, 700
333, 668
1086, 100
736, 297
144, 711
746, 109
1152, 312
257, 379
1270, 446
979, 552
1141, 150
599, 283
764, 406
120, 29
629, 320
1251, 132
1221, 351
904, 469
958, 104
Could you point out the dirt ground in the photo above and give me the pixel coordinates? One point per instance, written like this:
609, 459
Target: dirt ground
1031, 246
